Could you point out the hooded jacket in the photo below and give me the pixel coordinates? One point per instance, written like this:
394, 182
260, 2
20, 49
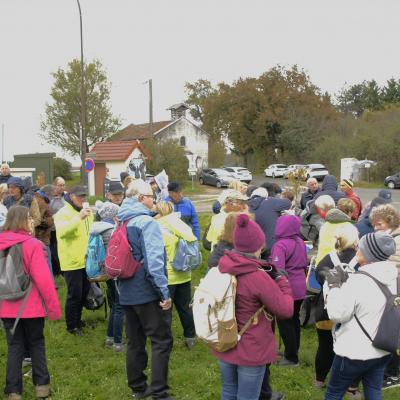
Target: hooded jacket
150, 282
42, 300
333, 220
173, 229
289, 253
267, 212
105, 229
329, 187
254, 289
72, 237
364, 225
360, 296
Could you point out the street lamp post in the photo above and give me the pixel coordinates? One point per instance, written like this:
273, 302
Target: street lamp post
84, 179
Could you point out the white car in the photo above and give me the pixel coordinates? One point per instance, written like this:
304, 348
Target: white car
240, 173
317, 171
276, 170
293, 168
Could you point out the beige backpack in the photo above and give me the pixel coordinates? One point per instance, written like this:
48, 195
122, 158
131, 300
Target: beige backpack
214, 311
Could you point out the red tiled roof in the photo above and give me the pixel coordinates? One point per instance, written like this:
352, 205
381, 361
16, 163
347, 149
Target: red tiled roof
141, 131
117, 151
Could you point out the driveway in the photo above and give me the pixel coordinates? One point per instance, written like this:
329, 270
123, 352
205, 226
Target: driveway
203, 202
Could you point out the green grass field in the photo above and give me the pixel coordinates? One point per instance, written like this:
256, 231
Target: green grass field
82, 368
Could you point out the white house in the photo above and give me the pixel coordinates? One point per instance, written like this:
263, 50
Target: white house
189, 135
112, 158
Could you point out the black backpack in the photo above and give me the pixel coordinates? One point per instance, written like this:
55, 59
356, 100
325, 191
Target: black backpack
15, 284
388, 334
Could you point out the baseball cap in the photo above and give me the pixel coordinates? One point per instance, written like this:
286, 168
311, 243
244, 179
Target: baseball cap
79, 190
115, 187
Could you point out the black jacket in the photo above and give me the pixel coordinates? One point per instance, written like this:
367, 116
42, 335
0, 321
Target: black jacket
306, 197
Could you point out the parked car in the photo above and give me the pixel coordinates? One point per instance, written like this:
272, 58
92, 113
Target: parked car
293, 168
240, 173
215, 176
317, 171
276, 170
393, 181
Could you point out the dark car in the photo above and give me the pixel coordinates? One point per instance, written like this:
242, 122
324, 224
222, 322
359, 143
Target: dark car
393, 181
215, 176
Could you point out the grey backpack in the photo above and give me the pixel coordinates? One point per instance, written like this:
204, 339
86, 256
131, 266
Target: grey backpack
15, 284
387, 336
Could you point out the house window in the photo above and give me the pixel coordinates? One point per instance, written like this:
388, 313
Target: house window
182, 141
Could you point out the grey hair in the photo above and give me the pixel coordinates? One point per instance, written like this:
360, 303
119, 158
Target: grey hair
325, 202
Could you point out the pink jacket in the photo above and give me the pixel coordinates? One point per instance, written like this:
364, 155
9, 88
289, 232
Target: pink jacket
254, 289
43, 300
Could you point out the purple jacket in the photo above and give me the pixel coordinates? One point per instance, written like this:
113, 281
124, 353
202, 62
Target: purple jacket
255, 288
289, 253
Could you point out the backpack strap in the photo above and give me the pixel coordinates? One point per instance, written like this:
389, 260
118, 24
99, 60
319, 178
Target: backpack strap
385, 290
21, 309
254, 319
335, 258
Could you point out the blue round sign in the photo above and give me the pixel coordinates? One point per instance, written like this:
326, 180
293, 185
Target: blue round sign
89, 165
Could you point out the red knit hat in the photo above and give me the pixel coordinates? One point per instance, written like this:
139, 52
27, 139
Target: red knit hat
248, 237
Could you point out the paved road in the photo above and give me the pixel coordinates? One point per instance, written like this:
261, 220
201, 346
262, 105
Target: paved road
203, 202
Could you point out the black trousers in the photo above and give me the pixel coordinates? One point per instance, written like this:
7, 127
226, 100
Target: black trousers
28, 336
148, 321
78, 287
325, 354
289, 330
181, 296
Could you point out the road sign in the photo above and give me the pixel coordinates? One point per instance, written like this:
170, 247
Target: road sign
89, 165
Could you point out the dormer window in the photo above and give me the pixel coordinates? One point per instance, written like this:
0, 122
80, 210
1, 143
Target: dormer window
182, 141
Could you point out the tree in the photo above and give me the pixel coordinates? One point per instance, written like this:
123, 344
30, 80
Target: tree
170, 156
62, 168
61, 125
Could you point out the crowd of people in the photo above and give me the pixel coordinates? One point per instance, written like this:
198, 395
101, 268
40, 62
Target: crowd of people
260, 235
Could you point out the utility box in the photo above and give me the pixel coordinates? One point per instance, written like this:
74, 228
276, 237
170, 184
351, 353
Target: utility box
43, 163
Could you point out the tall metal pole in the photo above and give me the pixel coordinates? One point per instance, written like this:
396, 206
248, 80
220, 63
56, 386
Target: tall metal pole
2, 143
151, 105
84, 178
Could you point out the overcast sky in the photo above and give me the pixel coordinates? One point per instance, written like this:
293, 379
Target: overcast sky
176, 41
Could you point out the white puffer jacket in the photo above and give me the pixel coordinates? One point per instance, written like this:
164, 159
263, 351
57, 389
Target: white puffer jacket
360, 295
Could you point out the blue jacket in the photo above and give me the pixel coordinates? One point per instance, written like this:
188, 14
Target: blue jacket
267, 212
150, 283
188, 214
364, 226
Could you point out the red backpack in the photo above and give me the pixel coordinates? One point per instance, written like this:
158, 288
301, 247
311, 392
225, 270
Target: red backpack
119, 262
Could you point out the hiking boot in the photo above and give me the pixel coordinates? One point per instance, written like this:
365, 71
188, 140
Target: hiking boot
42, 391
118, 347
391, 382
109, 341
190, 343
354, 394
284, 362
14, 396
142, 394
75, 331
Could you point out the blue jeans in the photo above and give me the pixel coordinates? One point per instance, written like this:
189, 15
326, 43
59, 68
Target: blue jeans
345, 371
241, 382
116, 320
